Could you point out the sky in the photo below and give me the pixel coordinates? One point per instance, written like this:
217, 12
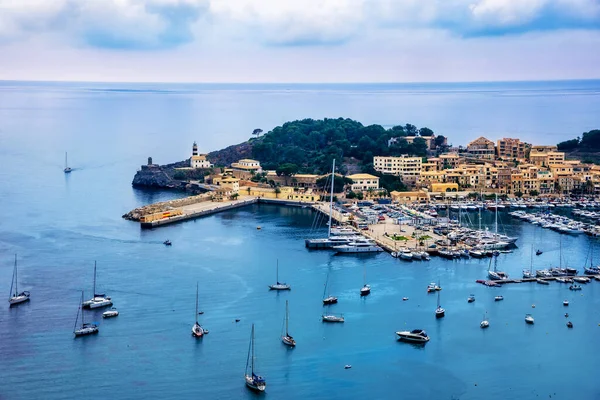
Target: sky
299, 41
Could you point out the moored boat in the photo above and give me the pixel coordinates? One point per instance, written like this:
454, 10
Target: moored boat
110, 313
287, 339
85, 328
253, 380
17, 297
279, 285
332, 318
414, 336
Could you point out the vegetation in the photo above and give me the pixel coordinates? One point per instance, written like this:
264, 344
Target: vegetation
324, 183
311, 145
589, 141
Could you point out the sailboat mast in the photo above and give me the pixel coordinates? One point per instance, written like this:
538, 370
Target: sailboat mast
252, 344
196, 302
94, 294
496, 221
16, 277
80, 307
438, 299
480, 207
331, 198
286, 318
531, 265
66, 165
277, 272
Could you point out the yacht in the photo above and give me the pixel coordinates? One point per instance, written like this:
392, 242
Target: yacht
363, 246
287, 339
197, 330
100, 299
17, 297
85, 328
414, 336
279, 285
475, 253
542, 281
529, 319
110, 313
439, 311
332, 318
253, 381
406, 255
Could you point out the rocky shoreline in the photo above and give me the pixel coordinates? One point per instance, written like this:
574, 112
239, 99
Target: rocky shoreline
156, 176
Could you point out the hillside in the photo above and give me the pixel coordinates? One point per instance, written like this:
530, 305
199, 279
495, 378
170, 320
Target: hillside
309, 146
585, 148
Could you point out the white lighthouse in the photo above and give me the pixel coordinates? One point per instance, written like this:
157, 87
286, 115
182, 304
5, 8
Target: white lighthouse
198, 160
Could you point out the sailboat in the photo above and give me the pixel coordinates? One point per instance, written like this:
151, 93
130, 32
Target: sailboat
287, 339
366, 289
253, 381
329, 299
197, 330
439, 311
67, 168
84, 328
15, 296
279, 285
485, 323
529, 273
99, 299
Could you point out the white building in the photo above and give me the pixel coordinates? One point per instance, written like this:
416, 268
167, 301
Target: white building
199, 160
408, 168
364, 182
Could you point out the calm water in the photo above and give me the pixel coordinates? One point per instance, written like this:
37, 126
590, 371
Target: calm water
60, 224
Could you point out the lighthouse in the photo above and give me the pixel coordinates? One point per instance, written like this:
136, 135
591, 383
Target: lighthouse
198, 160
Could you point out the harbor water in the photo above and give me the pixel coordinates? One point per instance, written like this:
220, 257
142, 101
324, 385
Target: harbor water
60, 224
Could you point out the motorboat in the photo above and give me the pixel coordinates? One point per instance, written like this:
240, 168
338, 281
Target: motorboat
529, 319
17, 297
581, 279
347, 366
279, 285
253, 381
363, 246
476, 253
471, 298
110, 313
574, 287
565, 303
498, 298
167, 242
527, 273
414, 336
365, 290
332, 318
542, 281
569, 324
404, 298
571, 271
330, 300
538, 252
407, 255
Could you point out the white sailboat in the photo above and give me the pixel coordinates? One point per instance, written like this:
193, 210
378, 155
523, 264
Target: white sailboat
253, 381
329, 299
279, 285
366, 289
67, 168
332, 318
99, 299
439, 311
197, 330
287, 339
17, 297
529, 273
85, 328
484, 323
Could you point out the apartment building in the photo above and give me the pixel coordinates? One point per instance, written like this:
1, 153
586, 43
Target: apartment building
450, 160
407, 168
546, 158
364, 182
512, 149
481, 148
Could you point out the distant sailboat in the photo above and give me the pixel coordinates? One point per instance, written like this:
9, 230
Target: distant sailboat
67, 168
329, 299
99, 299
439, 311
279, 285
253, 381
287, 339
197, 330
366, 289
485, 323
84, 328
15, 296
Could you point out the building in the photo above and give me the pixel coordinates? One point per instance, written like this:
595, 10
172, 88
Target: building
245, 168
198, 160
407, 168
444, 187
512, 149
364, 182
229, 184
450, 160
409, 197
546, 158
481, 148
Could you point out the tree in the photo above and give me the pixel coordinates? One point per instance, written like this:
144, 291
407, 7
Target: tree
234, 196
359, 196
257, 132
179, 175
324, 183
287, 170
568, 145
351, 195
519, 194
440, 140
533, 193
591, 140
277, 191
425, 132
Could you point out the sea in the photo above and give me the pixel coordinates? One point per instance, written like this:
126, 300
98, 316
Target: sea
59, 224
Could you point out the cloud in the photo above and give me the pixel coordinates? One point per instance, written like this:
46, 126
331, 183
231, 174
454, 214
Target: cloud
159, 24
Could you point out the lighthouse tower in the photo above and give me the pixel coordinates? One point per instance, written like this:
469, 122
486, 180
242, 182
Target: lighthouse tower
198, 160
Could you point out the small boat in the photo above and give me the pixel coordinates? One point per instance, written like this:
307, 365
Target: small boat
366, 289
574, 287
414, 336
542, 281
471, 298
347, 366
476, 253
569, 324
529, 319
258, 228
16, 297
253, 381
167, 242
407, 255
404, 298
329, 299
110, 313
498, 298
279, 285
484, 323
332, 318
581, 279
197, 330
538, 252
566, 303
439, 311
287, 339
566, 315
67, 168
85, 328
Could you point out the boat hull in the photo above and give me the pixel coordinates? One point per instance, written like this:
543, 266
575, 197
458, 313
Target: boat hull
288, 341
256, 386
330, 300
280, 287
18, 300
332, 318
90, 330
